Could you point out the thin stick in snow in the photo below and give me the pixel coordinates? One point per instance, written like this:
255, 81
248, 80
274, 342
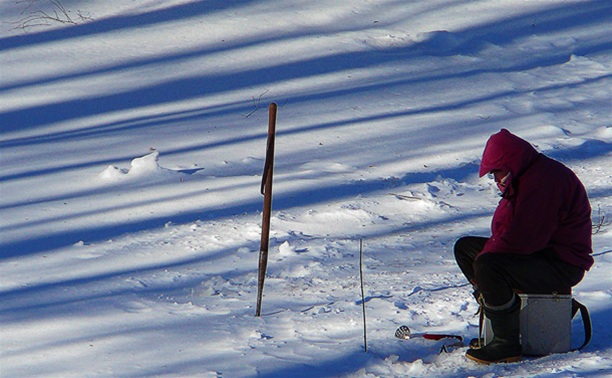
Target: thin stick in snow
363, 306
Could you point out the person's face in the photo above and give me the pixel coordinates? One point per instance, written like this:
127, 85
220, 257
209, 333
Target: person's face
501, 177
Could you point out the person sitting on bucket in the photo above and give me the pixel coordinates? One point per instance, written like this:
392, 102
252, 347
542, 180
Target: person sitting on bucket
540, 242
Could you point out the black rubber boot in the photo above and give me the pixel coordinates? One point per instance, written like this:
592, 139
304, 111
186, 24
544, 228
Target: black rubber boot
506, 344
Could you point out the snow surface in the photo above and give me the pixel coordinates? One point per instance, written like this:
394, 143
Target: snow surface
132, 147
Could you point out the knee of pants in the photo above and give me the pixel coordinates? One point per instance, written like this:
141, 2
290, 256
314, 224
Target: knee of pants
484, 262
489, 270
460, 245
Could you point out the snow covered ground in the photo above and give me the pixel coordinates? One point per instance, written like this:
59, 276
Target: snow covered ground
132, 147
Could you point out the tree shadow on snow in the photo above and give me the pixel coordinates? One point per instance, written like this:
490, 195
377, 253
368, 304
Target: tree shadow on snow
468, 41
123, 22
461, 42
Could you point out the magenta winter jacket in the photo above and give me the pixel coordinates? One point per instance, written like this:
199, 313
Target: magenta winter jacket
545, 204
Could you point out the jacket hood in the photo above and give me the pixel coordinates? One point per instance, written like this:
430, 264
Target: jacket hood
506, 151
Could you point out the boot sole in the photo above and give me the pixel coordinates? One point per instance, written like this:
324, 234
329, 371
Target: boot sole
503, 360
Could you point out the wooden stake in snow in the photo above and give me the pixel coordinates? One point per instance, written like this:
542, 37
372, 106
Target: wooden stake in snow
266, 190
363, 302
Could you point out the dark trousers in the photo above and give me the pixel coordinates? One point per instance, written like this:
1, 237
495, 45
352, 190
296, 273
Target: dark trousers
499, 275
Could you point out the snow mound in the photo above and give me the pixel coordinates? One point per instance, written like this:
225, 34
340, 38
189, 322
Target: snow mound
326, 167
389, 41
143, 167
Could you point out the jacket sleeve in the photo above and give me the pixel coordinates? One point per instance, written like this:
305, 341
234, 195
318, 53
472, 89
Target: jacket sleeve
525, 224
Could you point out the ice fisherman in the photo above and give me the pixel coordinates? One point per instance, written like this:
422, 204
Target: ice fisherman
540, 239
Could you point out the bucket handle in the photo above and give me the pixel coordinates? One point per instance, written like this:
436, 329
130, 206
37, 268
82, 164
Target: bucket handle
586, 320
